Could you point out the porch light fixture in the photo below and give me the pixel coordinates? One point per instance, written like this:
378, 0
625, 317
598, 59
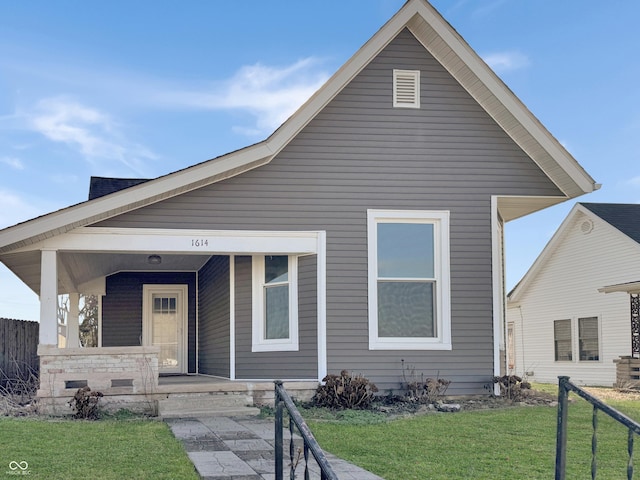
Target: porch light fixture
154, 259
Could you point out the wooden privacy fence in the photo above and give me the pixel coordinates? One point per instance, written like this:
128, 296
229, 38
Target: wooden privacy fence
18, 349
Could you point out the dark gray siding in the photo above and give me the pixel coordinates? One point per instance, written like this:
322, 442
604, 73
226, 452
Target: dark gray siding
277, 365
361, 153
214, 334
122, 308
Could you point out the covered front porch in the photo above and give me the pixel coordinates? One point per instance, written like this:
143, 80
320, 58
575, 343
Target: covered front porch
195, 305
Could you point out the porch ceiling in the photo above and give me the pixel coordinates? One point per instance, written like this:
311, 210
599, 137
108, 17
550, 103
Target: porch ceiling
77, 270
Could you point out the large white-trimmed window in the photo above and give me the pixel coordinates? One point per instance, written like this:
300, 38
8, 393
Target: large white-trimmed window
275, 303
409, 297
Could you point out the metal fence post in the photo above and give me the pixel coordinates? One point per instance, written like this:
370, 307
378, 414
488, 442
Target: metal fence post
279, 424
561, 434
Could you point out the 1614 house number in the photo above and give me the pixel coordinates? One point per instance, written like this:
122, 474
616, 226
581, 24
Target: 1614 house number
199, 242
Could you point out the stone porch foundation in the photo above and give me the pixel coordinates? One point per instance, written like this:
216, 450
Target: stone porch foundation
627, 372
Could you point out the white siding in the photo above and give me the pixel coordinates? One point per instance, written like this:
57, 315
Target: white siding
566, 287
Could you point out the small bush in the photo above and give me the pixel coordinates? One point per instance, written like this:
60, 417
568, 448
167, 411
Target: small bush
345, 391
85, 404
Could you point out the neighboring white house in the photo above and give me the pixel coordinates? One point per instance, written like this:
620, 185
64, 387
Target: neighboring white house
559, 321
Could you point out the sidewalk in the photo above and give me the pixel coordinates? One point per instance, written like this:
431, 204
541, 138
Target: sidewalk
226, 448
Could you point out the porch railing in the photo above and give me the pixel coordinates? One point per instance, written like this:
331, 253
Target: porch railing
633, 428
282, 401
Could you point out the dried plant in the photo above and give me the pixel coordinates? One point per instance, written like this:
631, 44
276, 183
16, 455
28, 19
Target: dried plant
345, 391
513, 387
420, 389
85, 403
18, 390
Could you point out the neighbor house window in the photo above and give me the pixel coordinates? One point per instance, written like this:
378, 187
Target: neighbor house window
562, 340
409, 280
588, 339
275, 303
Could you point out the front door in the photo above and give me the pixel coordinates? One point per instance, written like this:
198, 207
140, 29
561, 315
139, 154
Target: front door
165, 315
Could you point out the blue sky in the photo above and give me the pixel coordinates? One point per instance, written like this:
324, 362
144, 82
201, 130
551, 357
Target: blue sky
141, 89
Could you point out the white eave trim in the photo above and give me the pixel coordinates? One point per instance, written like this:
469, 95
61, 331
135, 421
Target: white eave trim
198, 242
630, 288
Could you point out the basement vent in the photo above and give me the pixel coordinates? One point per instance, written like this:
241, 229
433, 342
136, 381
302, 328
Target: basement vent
406, 88
586, 227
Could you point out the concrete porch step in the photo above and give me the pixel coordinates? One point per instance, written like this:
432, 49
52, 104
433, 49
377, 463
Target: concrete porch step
206, 404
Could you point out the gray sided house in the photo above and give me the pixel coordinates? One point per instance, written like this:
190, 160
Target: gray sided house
365, 232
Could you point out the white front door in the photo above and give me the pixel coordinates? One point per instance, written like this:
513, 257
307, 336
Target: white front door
165, 315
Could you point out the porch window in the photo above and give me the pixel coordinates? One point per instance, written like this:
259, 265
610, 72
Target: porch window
588, 339
409, 280
275, 303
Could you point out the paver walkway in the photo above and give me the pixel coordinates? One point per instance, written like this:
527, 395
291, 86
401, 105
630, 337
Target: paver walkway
226, 448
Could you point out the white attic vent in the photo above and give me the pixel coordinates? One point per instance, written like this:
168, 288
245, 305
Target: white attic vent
406, 88
586, 227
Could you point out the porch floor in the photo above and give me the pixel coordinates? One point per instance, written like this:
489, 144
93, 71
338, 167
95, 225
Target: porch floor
204, 383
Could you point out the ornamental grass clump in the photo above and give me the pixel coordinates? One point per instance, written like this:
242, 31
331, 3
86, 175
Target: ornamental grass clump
345, 391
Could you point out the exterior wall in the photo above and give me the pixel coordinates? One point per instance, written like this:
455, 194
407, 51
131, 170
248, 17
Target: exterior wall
122, 308
115, 371
361, 153
274, 365
214, 334
567, 288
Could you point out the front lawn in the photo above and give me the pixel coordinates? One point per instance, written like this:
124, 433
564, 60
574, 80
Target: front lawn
105, 449
516, 442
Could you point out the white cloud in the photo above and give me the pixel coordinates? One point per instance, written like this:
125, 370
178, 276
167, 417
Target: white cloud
270, 94
502, 62
94, 134
16, 209
635, 181
13, 162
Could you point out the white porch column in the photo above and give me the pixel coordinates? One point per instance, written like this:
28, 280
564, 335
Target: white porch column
73, 321
49, 298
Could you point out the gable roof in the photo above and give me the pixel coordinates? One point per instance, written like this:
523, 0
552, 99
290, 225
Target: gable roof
440, 39
101, 186
625, 218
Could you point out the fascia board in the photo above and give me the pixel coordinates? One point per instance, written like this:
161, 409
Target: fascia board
140, 195
504, 95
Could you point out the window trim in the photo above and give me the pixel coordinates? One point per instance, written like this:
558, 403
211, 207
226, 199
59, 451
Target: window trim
259, 342
571, 340
440, 220
578, 339
574, 324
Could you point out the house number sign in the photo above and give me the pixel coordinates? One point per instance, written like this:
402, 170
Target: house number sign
199, 242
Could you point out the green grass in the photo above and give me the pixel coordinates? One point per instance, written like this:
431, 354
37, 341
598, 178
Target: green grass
105, 449
506, 443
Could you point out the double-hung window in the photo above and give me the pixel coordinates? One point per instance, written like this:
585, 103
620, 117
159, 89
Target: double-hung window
588, 339
588, 343
409, 280
275, 303
562, 340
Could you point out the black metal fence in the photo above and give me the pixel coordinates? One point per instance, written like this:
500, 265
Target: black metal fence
633, 428
282, 401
